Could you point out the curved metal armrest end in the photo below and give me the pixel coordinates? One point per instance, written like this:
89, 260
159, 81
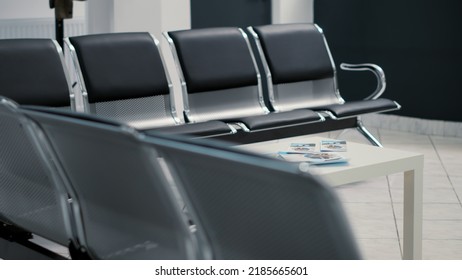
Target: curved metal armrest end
378, 72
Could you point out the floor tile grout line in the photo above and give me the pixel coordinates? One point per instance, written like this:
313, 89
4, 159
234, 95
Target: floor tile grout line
444, 167
379, 135
438, 157
394, 217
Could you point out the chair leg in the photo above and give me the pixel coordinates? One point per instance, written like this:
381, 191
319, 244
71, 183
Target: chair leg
362, 129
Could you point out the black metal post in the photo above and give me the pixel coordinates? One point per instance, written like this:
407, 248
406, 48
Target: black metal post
59, 28
63, 10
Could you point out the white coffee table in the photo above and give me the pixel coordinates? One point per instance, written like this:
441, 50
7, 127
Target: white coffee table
367, 162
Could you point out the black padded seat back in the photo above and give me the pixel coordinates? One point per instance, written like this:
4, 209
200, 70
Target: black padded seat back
214, 59
298, 61
251, 207
32, 72
128, 209
32, 196
123, 77
120, 66
219, 71
295, 52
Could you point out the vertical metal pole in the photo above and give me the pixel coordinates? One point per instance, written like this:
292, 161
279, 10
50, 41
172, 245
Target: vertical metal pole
59, 28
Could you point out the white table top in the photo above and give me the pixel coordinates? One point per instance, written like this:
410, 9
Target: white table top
364, 161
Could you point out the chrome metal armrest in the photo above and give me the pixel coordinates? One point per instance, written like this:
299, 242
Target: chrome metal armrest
378, 72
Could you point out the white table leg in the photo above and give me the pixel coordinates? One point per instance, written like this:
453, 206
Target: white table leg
413, 194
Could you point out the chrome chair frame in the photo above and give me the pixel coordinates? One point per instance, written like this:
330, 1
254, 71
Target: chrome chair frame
260, 109
51, 124
60, 193
327, 97
83, 92
240, 211
241, 104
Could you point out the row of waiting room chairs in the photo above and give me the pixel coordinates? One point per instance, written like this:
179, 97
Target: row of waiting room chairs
122, 76
106, 191
130, 191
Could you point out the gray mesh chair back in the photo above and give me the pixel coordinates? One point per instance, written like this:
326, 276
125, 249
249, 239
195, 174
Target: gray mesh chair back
32, 72
252, 207
32, 195
218, 72
122, 76
128, 210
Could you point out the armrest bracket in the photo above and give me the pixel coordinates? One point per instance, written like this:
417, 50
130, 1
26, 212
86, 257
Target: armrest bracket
378, 72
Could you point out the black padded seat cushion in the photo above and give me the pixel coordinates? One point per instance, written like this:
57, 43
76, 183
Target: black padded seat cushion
31, 73
275, 120
354, 108
120, 66
209, 128
295, 52
214, 58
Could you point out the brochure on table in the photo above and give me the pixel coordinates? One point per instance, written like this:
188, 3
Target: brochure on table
329, 151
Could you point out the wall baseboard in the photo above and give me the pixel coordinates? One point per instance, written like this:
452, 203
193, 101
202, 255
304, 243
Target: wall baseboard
414, 125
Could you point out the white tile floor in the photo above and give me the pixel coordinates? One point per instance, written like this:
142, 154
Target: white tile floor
374, 207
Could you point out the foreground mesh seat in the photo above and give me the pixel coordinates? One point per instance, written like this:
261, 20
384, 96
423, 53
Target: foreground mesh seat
126, 205
301, 73
33, 197
222, 82
243, 206
32, 73
122, 76
252, 207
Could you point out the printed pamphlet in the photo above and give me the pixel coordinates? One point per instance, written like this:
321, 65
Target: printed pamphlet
312, 157
302, 147
333, 146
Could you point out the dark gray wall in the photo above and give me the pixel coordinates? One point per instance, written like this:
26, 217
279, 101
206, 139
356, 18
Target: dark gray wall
241, 13
417, 42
